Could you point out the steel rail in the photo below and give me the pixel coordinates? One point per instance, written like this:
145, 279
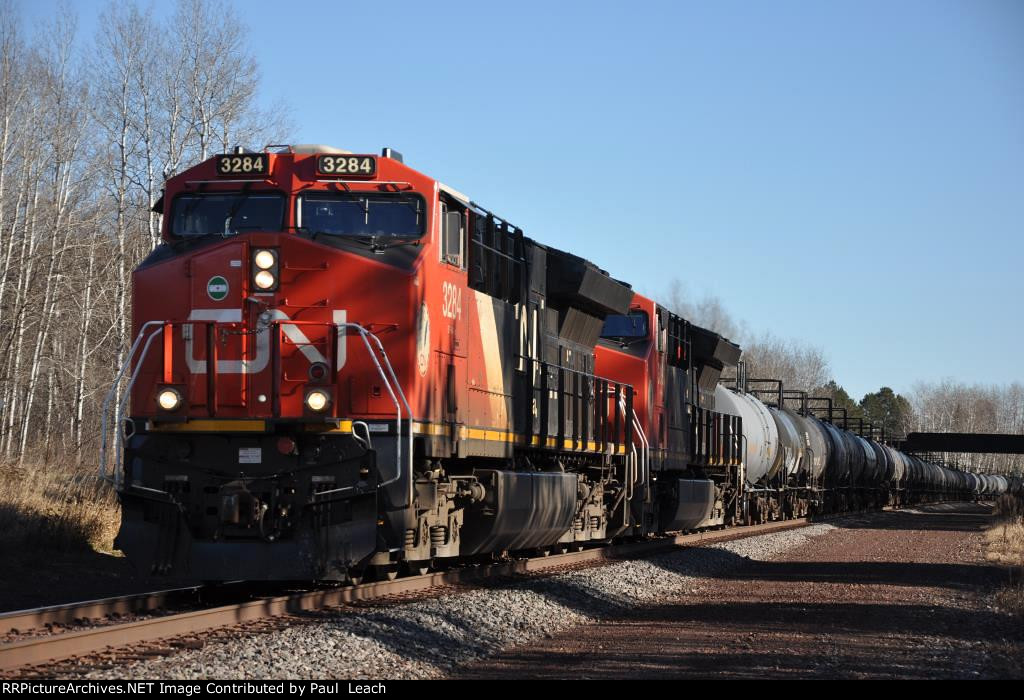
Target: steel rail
35, 618
41, 650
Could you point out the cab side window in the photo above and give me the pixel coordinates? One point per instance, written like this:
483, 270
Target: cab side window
453, 228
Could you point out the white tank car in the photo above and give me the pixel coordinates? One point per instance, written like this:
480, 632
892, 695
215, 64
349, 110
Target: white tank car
816, 442
790, 454
759, 431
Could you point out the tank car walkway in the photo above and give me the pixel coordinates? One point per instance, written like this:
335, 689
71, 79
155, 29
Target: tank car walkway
886, 595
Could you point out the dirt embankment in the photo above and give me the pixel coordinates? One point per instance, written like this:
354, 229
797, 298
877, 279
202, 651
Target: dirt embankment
888, 595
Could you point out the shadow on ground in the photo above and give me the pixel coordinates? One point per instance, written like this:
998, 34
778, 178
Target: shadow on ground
965, 518
753, 640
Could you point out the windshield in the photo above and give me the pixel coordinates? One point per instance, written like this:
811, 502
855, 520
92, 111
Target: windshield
363, 215
227, 213
617, 327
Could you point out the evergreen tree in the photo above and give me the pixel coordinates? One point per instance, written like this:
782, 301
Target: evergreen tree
840, 399
887, 409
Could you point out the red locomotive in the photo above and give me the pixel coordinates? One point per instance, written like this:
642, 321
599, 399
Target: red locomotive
340, 365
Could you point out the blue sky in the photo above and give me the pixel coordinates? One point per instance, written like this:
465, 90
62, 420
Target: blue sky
850, 174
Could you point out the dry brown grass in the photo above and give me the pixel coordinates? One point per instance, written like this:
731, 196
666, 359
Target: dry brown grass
1004, 541
55, 507
1004, 544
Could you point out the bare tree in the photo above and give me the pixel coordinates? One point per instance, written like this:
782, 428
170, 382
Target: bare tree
87, 136
951, 406
800, 366
708, 311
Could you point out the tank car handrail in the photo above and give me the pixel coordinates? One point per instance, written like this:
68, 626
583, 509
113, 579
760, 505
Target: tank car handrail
743, 462
105, 411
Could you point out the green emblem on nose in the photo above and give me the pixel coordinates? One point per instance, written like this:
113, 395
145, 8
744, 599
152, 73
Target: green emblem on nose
217, 288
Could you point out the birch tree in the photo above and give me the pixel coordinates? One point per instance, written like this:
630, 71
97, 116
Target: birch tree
89, 130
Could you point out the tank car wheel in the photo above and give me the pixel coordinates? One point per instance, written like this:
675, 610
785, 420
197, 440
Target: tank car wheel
355, 577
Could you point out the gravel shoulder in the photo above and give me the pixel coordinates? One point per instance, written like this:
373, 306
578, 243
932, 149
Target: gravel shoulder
431, 637
887, 595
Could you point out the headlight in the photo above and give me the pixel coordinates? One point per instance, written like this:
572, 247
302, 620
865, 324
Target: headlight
169, 399
264, 279
264, 259
317, 400
263, 268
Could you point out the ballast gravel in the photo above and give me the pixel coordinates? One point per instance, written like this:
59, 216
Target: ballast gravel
426, 638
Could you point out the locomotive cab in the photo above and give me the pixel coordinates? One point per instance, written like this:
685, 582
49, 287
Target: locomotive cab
269, 407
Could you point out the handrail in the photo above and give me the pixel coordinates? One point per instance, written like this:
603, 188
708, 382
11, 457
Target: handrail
395, 397
645, 470
127, 397
380, 360
113, 393
633, 463
642, 475
408, 410
368, 440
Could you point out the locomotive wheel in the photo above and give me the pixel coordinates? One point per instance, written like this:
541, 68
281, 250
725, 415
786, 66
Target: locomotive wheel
417, 568
385, 572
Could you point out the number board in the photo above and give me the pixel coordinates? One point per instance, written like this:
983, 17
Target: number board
351, 166
246, 165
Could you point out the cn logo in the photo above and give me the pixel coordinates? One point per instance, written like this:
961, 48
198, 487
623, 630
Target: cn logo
259, 363
217, 288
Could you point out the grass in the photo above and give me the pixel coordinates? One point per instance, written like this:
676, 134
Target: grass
55, 507
1004, 544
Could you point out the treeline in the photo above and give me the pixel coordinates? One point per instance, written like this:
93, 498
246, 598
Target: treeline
90, 127
945, 406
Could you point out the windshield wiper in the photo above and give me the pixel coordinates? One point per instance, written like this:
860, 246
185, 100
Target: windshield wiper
393, 242
233, 212
624, 341
373, 242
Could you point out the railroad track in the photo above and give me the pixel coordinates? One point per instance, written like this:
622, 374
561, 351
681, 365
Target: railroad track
167, 632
